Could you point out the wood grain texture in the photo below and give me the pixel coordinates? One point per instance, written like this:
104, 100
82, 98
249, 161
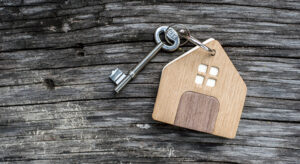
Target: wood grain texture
179, 75
197, 112
77, 43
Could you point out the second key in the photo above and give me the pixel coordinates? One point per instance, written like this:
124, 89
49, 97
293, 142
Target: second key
121, 79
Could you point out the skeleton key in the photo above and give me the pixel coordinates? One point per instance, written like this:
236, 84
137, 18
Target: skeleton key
121, 79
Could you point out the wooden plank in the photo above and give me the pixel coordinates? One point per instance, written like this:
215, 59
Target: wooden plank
88, 33
77, 119
283, 71
102, 114
39, 93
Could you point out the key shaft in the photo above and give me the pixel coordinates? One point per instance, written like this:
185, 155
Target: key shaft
139, 67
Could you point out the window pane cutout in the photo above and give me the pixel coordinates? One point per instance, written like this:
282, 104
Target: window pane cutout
202, 68
199, 79
214, 71
211, 82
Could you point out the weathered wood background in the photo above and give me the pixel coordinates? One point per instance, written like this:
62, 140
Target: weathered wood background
57, 102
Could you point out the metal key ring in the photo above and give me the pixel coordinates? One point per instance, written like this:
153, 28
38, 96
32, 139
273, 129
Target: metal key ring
185, 33
171, 34
182, 27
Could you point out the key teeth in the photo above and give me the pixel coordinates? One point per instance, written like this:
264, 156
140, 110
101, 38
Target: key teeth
117, 76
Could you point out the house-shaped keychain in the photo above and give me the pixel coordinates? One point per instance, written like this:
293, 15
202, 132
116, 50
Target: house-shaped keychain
201, 92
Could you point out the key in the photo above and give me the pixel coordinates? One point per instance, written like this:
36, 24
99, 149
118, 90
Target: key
121, 79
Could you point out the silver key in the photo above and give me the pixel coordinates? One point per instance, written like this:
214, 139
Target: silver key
121, 79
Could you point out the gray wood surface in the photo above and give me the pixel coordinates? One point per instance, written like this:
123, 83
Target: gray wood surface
57, 104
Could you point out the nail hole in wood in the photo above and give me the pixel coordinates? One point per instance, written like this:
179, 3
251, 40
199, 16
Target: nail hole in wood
80, 50
49, 83
80, 45
80, 53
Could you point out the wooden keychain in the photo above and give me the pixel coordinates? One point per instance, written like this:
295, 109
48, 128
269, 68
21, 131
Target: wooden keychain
201, 90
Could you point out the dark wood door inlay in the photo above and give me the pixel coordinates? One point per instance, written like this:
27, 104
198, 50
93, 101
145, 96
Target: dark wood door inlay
197, 111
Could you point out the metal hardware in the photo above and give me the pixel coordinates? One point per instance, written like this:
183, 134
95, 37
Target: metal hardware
185, 33
178, 27
119, 78
170, 33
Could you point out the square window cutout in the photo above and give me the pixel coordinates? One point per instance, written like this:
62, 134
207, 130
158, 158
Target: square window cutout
211, 82
199, 79
202, 68
214, 71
